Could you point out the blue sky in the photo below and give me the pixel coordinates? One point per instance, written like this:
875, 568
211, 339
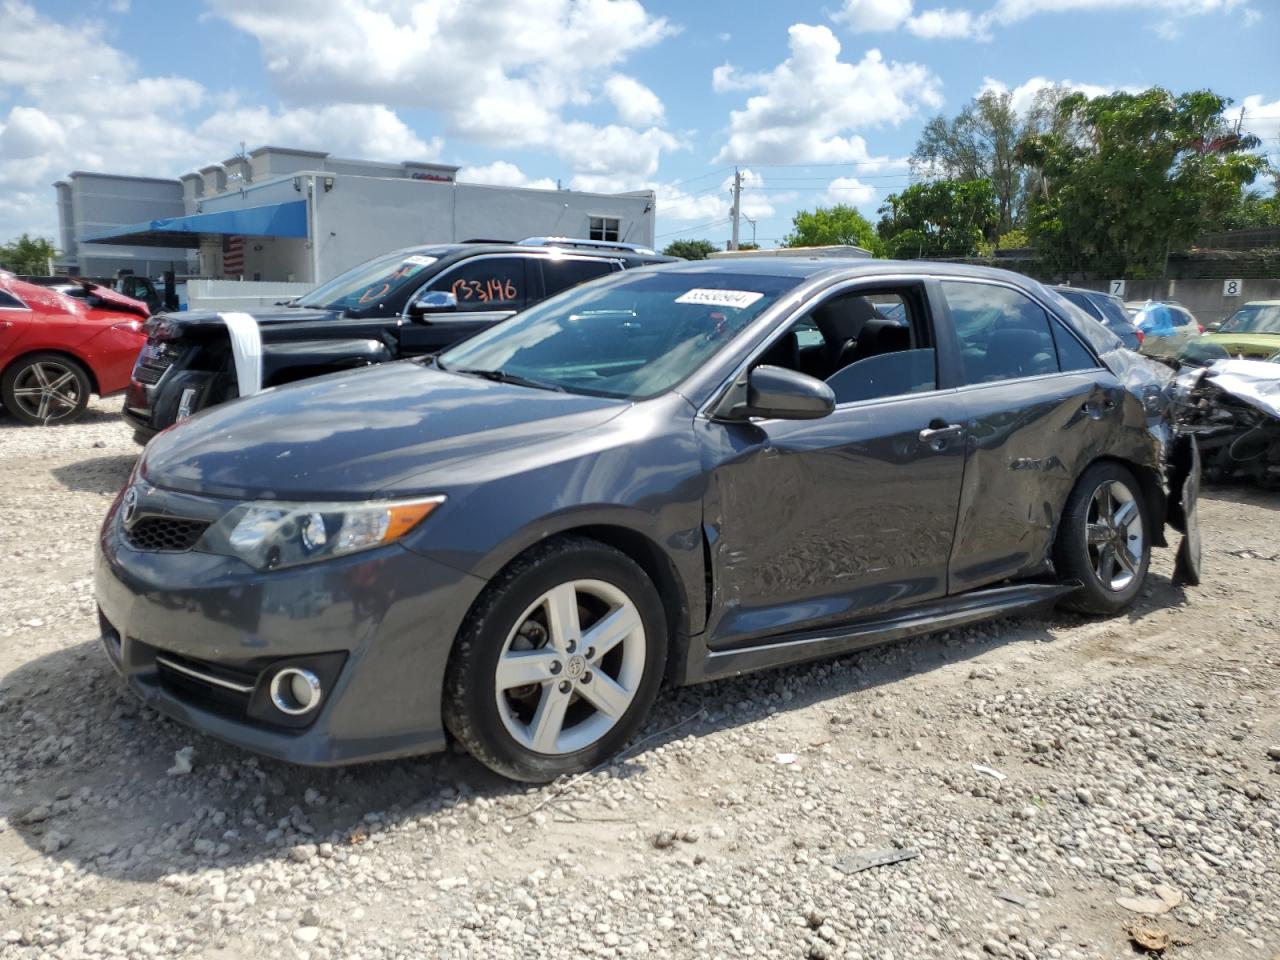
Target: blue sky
817, 102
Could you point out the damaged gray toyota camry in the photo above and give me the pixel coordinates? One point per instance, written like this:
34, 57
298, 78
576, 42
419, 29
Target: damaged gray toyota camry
673, 474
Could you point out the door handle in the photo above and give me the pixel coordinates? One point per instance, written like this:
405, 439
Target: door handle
937, 436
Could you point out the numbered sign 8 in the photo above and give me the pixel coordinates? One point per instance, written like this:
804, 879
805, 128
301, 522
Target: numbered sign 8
1231, 288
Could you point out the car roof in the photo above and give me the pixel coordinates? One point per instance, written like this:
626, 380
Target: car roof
1260, 303
854, 268
457, 250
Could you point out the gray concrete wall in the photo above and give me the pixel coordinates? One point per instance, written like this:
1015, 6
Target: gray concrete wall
362, 217
101, 201
1204, 298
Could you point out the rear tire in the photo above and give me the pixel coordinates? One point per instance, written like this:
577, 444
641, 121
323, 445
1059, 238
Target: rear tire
45, 388
1104, 541
558, 663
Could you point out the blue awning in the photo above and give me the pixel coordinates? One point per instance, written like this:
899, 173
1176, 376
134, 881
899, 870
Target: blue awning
271, 220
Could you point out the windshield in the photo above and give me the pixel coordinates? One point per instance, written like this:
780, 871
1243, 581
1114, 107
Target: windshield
1253, 318
631, 336
368, 284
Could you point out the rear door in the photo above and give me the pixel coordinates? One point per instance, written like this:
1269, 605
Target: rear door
1039, 407
829, 521
488, 288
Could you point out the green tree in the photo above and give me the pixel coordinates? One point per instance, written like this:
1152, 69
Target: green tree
829, 226
981, 142
690, 249
1126, 179
943, 218
29, 255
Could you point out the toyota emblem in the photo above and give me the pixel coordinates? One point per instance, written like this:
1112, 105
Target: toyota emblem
129, 508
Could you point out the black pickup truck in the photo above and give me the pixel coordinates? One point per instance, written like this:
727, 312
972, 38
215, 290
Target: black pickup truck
407, 303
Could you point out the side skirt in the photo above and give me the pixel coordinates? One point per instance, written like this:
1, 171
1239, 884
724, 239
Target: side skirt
927, 618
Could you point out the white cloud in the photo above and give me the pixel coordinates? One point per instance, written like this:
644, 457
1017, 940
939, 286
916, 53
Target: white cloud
946, 24
344, 129
505, 73
1262, 119
79, 103
850, 190
726, 78
1024, 94
862, 16
871, 16
810, 103
500, 173
636, 104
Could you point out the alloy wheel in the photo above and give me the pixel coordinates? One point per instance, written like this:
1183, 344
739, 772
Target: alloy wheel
47, 390
1116, 540
571, 667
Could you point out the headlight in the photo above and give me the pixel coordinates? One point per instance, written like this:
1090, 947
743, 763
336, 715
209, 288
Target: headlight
271, 534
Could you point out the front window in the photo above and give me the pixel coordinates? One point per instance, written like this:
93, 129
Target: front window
370, 284
485, 283
1254, 318
633, 336
605, 228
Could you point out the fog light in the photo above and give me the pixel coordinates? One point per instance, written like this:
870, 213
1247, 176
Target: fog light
295, 691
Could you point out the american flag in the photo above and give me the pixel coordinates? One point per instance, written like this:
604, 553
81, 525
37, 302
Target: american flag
232, 256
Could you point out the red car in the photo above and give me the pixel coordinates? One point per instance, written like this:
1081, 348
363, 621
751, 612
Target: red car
55, 350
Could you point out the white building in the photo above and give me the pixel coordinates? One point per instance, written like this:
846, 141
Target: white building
279, 214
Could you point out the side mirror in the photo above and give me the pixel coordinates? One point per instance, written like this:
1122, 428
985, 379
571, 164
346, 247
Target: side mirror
432, 301
1214, 327
785, 395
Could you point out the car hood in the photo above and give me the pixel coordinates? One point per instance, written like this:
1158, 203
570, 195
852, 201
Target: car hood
266, 316
1251, 344
395, 429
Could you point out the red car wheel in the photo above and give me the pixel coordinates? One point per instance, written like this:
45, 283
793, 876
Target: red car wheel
45, 388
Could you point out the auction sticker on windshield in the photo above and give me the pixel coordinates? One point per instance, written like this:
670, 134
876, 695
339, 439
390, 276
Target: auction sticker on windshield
737, 299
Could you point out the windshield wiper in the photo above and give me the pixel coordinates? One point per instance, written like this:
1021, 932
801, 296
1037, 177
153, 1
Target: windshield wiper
503, 376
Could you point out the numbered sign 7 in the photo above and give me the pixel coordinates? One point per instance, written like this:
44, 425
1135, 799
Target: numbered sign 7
1117, 288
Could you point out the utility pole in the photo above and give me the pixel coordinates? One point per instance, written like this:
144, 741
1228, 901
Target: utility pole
737, 206
752, 221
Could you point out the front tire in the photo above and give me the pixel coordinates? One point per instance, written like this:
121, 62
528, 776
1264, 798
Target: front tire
45, 388
559, 662
1104, 540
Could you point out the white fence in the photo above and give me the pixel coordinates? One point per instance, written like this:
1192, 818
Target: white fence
240, 294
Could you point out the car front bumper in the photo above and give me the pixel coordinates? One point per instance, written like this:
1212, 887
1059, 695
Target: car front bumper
377, 627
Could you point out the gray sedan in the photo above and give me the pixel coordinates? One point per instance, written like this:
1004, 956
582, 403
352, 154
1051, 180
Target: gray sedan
673, 474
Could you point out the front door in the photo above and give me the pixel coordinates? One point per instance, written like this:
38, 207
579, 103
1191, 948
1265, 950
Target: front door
488, 289
822, 522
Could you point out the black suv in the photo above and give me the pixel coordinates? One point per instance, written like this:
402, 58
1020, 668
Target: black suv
406, 303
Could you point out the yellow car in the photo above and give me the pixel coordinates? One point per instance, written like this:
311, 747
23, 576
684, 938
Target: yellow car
1251, 333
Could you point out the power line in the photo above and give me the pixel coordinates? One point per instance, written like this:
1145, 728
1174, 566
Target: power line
701, 226
676, 183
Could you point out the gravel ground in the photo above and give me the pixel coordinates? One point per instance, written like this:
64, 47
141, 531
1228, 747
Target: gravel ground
1133, 760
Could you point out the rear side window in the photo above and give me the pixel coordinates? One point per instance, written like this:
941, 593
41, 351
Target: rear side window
1004, 335
560, 275
1082, 301
9, 302
1181, 318
485, 283
1072, 354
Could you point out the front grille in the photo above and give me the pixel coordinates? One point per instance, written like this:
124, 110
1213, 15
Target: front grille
165, 534
150, 369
